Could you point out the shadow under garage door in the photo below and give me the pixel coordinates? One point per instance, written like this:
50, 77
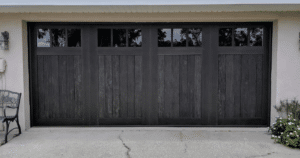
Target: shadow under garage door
204, 74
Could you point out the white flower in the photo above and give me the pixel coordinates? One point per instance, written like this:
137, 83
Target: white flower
290, 123
280, 118
280, 121
275, 136
281, 132
297, 135
288, 118
278, 136
298, 128
287, 135
294, 119
280, 124
272, 136
286, 141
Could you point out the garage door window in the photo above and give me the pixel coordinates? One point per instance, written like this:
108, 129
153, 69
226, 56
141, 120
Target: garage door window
43, 38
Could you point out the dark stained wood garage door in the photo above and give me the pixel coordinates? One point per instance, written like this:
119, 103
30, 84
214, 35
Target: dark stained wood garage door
204, 74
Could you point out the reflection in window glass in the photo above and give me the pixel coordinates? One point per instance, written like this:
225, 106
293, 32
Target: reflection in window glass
43, 38
134, 37
240, 37
225, 38
104, 38
195, 37
179, 37
164, 37
256, 36
119, 37
74, 38
58, 37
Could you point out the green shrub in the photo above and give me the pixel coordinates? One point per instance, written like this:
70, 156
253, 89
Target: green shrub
287, 131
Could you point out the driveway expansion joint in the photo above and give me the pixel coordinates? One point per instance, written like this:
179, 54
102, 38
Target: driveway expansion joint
128, 149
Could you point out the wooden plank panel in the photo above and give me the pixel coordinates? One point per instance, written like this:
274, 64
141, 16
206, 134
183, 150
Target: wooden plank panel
184, 111
102, 107
55, 86
237, 59
131, 88
116, 85
79, 109
259, 86
229, 108
47, 85
108, 85
70, 87
138, 86
41, 87
222, 85
168, 93
123, 86
161, 86
198, 73
175, 89
245, 87
252, 85
191, 84
63, 99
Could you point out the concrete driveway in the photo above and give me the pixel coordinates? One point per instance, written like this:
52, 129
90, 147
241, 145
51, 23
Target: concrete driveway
139, 142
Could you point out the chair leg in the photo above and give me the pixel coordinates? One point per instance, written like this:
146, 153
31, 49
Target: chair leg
18, 126
7, 127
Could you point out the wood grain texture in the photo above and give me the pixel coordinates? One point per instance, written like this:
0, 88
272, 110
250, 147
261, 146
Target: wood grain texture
198, 75
131, 86
116, 85
184, 111
41, 85
161, 86
259, 87
237, 71
222, 86
70, 87
55, 86
108, 86
138, 86
123, 86
229, 102
78, 87
102, 83
191, 85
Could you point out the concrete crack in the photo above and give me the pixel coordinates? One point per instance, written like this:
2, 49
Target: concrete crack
128, 149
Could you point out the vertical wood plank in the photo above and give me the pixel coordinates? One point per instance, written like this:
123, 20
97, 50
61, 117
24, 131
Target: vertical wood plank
41, 87
78, 87
161, 86
198, 73
138, 86
108, 85
237, 85
252, 85
70, 86
175, 75
55, 86
222, 85
131, 86
47, 68
259, 87
229, 108
245, 86
102, 107
168, 93
191, 84
62, 62
183, 107
123, 86
116, 85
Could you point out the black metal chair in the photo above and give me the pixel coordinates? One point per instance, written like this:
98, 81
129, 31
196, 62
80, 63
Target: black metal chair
9, 99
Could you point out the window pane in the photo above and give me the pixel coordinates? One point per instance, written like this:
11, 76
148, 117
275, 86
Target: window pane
74, 38
104, 38
58, 37
240, 36
225, 38
119, 37
256, 36
179, 37
134, 37
43, 38
195, 37
164, 37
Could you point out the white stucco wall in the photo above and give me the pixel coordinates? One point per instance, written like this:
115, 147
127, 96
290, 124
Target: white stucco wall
285, 82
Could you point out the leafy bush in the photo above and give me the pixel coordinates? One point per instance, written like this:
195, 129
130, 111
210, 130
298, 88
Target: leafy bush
287, 131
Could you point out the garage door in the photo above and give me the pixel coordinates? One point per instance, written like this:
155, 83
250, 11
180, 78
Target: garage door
204, 74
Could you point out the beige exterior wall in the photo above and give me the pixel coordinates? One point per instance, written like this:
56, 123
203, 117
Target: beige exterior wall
285, 82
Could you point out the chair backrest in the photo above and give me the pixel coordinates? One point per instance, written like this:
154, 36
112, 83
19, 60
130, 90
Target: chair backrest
9, 98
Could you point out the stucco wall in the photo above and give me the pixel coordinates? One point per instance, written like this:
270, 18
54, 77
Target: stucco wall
285, 46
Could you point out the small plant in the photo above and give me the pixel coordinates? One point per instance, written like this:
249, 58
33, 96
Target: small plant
287, 131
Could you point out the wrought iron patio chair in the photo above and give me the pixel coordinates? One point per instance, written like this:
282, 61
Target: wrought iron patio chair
9, 99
